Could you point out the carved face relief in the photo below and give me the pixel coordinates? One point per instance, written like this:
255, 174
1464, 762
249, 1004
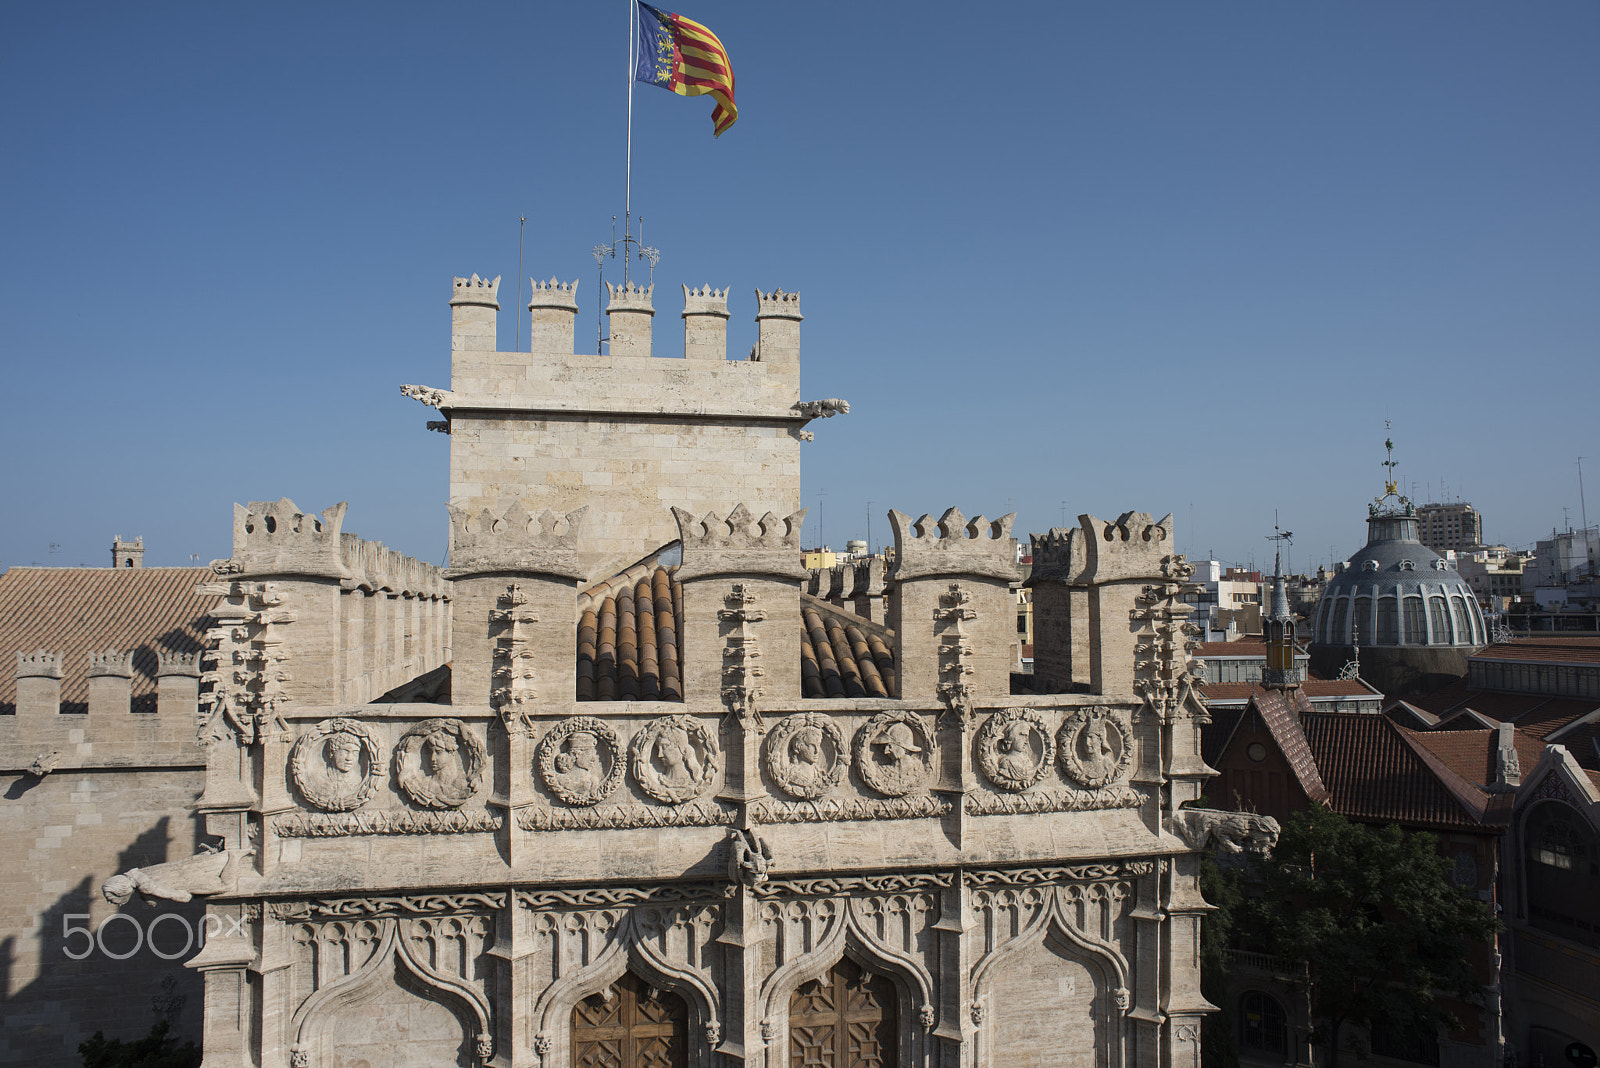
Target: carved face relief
1014, 748
1093, 747
580, 761
803, 755
674, 759
439, 763
335, 765
894, 753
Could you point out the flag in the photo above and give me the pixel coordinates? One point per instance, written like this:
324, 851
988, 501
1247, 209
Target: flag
684, 57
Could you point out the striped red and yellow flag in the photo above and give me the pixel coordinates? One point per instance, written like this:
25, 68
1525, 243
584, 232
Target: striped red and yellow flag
683, 56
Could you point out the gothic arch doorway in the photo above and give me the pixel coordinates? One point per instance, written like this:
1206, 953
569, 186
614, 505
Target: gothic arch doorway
848, 1018
630, 1024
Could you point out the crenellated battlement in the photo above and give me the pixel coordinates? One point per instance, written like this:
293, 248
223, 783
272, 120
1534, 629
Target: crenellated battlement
630, 295
553, 294
40, 665
778, 305
1058, 556
482, 292
713, 545
276, 537
177, 665
1131, 546
953, 545
705, 301
111, 664
516, 541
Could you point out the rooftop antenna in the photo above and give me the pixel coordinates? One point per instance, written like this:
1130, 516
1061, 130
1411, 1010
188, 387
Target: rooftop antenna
522, 224
821, 541
870, 550
1582, 504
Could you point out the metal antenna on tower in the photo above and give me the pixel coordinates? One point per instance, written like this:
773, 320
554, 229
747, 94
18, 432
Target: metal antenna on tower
1582, 504
1280, 537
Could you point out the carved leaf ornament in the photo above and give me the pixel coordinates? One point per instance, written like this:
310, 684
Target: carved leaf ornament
674, 759
439, 763
335, 765
894, 753
580, 761
1093, 747
804, 755
1015, 748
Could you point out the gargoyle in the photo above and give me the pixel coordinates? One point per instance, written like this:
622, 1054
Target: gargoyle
822, 409
1235, 832
749, 857
214, 871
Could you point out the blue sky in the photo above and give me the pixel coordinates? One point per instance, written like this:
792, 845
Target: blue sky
1059, 257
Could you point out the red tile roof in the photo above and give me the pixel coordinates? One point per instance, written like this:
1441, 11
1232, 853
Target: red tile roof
1281, 713
1313, 688
76, 610
1374, 771
1471, 754
628, 649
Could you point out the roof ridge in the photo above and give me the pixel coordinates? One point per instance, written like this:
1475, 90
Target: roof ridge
1468, 795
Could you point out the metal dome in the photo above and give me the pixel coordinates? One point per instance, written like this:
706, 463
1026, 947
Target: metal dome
1397, 592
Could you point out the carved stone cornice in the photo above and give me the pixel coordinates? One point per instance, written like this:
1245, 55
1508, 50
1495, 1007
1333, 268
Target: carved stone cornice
384, 821
834, 886
1071, 873
627, 817
589, 897
1068, 800
843, 809
377, 905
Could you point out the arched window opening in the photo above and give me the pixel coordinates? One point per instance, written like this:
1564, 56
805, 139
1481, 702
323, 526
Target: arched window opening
1339, 630
1261, 1023
1361, 625
1562, 872
1463, 621
1439, 616
849, 1018
630, 1024
1415, 630
1388, 621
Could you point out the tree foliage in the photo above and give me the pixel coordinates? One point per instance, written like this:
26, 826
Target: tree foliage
1375, 914
155, 1050
1223, 889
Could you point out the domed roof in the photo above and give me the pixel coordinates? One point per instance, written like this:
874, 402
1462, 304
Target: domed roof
1398, 592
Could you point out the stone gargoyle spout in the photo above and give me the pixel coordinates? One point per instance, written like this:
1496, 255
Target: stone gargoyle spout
211, 872
1234, 832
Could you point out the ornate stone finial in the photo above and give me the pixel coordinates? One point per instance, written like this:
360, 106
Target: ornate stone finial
953, 546
516, 541
1058, 556
739, 543
705, 301
275, 537
476, 290
553, 294
170, 663
39, 665
1133, 546
111, 664
778, 305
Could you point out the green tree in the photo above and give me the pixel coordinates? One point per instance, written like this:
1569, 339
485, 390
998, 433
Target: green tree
1223, 889
155, 1050
1375, 914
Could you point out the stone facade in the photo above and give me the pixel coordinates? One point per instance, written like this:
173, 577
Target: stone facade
957, 875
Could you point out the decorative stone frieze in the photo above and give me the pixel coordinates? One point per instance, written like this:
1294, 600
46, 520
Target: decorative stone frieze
581, 761
1094, 746
336, 765
804, 755
385, 822
1014, 748
675, 759
439, 763
894, 753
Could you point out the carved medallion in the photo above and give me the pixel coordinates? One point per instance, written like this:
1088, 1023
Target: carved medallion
674, 759
335, 765
439, 763
894, 753
580, 761
804, 755
1093, 747
1014, 748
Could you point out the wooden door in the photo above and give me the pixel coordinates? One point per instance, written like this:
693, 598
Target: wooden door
849, 1018
630, 1025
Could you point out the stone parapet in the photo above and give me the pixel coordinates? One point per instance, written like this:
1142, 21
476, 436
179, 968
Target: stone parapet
1120, 558
778, 328
552, 317
629, 312
110, 683
39, 676
1059, 581
516, 542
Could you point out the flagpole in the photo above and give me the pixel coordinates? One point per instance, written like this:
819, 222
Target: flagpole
627, 195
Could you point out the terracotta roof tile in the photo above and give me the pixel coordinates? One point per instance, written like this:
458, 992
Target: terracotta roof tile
1374, 773
1313, 688
75, 610
1282, 713
628, 650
